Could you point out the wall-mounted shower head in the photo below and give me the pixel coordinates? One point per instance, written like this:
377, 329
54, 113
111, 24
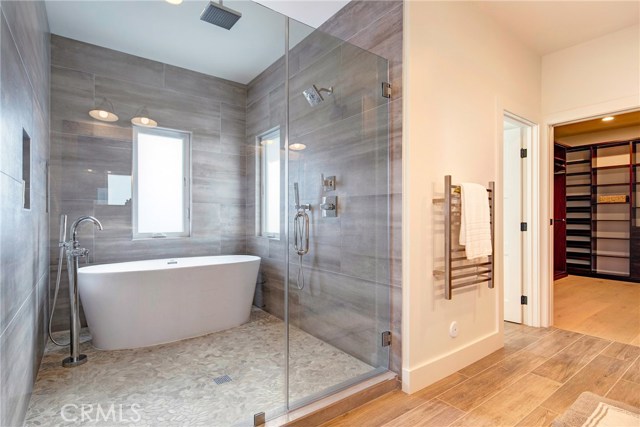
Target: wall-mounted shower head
217, 14
314, 95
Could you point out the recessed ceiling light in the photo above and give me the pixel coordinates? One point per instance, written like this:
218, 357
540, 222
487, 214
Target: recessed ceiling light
174, 1
608, 119
297, 146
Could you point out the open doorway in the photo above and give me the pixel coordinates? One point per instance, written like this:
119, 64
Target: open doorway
517, 138
596, 230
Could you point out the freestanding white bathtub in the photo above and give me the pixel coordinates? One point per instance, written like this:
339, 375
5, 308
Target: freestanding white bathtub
144, 303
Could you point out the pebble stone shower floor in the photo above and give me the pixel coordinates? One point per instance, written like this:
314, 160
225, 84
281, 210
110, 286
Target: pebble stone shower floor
175, 384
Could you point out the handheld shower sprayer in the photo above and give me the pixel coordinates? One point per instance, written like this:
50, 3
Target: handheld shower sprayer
300, 232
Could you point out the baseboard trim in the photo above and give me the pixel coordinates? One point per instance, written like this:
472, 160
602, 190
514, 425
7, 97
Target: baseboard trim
436, 369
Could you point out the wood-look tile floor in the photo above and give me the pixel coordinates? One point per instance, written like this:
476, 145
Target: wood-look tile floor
608, 309
536, 376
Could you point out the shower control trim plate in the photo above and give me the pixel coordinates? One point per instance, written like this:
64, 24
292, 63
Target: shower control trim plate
329, 206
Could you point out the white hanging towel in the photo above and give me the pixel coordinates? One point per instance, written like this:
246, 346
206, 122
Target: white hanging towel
475, 223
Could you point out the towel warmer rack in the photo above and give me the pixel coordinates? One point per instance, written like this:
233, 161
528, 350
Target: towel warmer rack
456, 273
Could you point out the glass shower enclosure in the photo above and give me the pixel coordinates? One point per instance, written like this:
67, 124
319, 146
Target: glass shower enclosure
337, 288
318, 134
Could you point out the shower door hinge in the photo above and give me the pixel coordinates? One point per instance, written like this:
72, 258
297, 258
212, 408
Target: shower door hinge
386, 338
523, 226
524, 300
259, 419
523, 153
386, 90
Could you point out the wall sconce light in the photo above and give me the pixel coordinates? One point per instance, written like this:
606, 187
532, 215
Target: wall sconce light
141, 118
104, 112
297, 146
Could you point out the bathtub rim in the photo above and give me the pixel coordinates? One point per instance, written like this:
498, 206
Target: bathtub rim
100, 268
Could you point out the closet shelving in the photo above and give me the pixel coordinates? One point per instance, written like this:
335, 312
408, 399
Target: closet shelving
578, 202
603, 238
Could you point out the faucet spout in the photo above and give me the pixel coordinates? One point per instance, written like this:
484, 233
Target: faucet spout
82, 219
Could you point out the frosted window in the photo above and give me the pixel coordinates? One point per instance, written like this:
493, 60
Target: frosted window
269, 161
161, 185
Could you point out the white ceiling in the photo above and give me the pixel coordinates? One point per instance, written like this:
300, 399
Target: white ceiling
157, 30
548, 26
310, 12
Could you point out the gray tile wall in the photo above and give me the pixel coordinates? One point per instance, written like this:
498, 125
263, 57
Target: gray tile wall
354, 257
212, 109
377, 26
24, 234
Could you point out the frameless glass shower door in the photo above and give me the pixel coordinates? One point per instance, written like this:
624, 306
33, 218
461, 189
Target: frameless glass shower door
337, 287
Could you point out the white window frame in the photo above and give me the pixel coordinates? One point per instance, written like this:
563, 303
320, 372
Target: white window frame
261, 174
186, 179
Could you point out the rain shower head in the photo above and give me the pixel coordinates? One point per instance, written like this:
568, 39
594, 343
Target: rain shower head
217, 14
314, 95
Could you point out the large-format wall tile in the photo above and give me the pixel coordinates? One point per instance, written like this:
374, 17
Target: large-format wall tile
105, 62
218, 189
311, 51
357, 16
16, 105
209, 165
30, 28
233, 120
384, 38
19, 362
24, 233
206, 219
193, 83
40, 153
20, 263
121, 250
186, 112
265, 82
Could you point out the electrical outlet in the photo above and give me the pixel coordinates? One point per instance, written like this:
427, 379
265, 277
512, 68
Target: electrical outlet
453, 329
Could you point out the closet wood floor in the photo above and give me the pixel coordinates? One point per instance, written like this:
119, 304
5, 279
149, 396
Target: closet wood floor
608, 309
536, 376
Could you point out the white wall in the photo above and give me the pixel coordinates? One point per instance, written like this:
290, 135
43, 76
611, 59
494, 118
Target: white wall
462, 71
601, 74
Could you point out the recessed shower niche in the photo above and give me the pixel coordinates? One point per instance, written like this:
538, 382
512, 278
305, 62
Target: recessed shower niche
256, 154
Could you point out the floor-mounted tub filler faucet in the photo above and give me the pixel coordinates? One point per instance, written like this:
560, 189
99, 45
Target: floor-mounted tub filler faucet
74, 253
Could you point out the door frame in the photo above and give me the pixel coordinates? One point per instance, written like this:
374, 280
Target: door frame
545, 172
530, 313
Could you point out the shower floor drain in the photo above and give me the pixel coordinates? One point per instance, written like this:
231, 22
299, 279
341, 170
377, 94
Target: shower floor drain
223, 379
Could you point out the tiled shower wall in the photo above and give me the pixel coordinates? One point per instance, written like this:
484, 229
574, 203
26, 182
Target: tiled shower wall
350, 262
377, 26
24, 234
84, 151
